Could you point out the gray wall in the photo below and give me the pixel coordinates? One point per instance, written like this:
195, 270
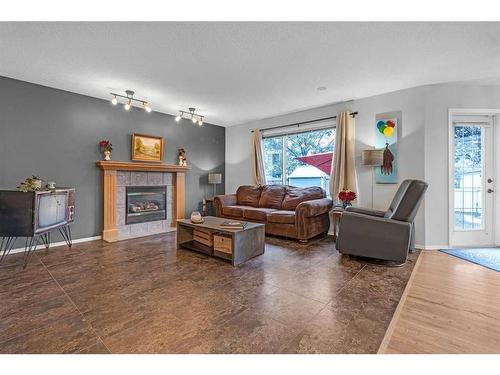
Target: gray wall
407, 105
422, 148
54, 134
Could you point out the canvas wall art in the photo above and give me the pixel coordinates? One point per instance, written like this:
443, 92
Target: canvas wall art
147, 148
387, 139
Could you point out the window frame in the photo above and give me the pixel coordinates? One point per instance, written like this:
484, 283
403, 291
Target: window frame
297, 129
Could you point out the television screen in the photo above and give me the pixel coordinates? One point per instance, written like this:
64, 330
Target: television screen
51, 209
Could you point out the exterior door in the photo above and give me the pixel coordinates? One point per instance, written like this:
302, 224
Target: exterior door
473, 183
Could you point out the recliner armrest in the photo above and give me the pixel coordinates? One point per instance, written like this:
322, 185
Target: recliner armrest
372, 236
365, 211
314, 207
223, 200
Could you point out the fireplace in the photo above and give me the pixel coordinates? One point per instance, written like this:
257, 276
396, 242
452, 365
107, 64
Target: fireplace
145, 203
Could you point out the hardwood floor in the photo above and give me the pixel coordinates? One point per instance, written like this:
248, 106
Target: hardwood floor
450, 306
144, 296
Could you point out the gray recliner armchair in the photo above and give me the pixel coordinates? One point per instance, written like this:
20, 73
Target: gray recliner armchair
383, 235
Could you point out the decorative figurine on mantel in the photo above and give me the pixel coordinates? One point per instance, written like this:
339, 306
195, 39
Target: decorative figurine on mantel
106, 148
181, 157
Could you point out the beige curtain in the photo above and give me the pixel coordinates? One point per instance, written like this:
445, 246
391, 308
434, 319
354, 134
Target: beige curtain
259, 175
343, 174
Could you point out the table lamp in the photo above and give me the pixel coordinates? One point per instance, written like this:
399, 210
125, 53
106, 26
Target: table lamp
215, 179
372, 158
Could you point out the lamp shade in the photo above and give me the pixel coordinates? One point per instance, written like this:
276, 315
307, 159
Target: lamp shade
372, 157
214, 178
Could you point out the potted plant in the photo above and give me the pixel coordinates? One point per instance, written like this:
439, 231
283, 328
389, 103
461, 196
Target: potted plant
346, 196
106, 147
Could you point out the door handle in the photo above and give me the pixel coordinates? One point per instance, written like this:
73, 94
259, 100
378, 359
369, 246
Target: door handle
490, 191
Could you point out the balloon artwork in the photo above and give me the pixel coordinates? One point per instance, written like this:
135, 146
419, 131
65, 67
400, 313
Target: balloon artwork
387, 129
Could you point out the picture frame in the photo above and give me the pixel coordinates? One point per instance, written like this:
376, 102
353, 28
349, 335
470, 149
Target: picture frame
147, 148
386, 139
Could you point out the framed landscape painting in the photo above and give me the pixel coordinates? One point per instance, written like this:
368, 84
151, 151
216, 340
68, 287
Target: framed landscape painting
147, 148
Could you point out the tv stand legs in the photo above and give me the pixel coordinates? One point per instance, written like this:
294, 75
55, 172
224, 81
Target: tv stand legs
6, 245
29, 249
46, 239
66, 233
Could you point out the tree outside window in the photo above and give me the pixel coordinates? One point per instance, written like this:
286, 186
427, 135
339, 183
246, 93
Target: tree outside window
293, 146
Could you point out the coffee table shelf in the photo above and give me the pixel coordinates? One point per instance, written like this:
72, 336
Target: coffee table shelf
246, 243
197, 246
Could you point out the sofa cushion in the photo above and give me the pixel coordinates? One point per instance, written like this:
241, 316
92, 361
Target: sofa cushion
258, 214
272, 196
281, 217
248, 195
295, 195
233, 211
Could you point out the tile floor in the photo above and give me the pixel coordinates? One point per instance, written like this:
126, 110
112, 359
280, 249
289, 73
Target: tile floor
144, 296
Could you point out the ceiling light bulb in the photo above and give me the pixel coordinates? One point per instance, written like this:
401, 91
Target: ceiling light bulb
200, 123
114, 101
194, 120
178, 118
127, 106
147, 108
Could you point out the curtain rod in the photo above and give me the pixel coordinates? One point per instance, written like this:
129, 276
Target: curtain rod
353, 114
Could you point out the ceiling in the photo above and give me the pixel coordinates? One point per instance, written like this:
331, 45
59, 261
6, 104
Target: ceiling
239, 72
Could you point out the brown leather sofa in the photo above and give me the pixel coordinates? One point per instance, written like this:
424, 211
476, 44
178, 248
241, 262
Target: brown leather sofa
299, 213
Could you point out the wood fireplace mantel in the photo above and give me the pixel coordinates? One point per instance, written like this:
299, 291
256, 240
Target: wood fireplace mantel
109, 168
138, 166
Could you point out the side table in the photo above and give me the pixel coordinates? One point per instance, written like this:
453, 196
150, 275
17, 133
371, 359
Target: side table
206, 206
336, 216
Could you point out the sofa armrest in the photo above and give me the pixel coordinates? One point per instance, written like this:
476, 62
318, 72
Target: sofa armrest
314, 207
223, 200
374, 237
365, 211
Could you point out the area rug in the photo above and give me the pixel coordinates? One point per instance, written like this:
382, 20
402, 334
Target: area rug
486, 257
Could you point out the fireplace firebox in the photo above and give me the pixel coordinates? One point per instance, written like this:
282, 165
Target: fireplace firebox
146, 203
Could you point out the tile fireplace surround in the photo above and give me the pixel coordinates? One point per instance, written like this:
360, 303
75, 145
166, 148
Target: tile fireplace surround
118, 175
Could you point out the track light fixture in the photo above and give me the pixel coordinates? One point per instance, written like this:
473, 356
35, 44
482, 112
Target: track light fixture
130, 98
195, 118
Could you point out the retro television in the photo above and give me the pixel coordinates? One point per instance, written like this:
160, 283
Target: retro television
33, 213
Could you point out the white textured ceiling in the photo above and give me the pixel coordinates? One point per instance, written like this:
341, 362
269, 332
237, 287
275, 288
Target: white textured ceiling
238, 72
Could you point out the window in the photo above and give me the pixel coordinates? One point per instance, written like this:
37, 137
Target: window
299, 159
468, 177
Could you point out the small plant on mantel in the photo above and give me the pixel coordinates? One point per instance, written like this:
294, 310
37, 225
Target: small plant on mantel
106, 148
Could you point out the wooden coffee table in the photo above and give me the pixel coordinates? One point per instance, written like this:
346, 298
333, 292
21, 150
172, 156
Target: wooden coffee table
245, 243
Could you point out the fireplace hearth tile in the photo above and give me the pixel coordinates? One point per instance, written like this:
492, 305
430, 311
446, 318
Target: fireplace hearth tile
167, 178
155, 178
120, 216
122, 178
120, 196
155, 226
138, 178
124, 230
139, 229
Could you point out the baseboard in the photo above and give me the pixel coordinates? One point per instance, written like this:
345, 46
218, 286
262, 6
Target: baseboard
55, 244
417, 246
431, 247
